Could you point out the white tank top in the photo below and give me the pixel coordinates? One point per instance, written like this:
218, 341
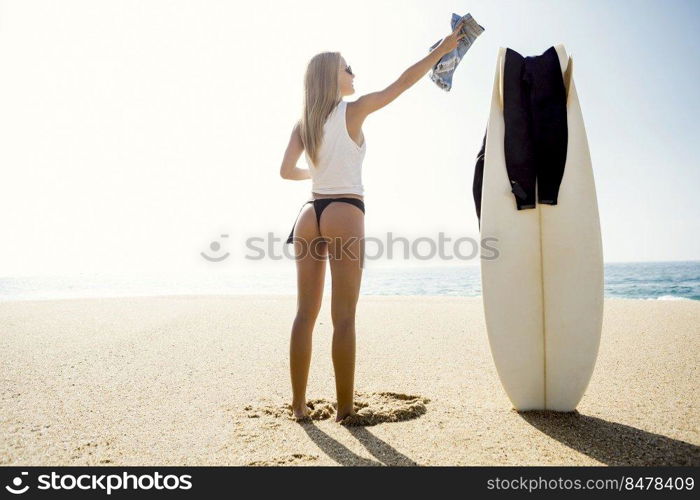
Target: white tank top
339, 168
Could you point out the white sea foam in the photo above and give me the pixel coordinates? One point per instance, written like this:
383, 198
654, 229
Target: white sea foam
671, 297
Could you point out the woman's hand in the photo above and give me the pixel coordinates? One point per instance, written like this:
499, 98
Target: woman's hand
450, 42
371, 102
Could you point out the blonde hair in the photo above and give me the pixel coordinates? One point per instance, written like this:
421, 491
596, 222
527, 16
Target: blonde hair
321, 96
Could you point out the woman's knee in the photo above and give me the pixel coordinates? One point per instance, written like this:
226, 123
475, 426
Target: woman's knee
346, 322
307, 315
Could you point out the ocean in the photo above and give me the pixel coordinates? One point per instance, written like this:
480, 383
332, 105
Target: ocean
633, 280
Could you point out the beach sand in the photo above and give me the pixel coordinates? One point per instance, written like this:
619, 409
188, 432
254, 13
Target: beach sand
204, 380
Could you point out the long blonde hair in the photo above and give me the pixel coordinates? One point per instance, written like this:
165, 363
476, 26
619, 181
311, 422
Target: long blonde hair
321, 95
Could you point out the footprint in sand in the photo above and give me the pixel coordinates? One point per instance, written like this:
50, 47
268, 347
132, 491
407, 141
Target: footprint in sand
319, 409
371, 409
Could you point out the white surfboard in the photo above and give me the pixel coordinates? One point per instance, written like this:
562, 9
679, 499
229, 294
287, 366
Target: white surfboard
543, 293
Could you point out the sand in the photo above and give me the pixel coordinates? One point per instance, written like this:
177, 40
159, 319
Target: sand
203, 380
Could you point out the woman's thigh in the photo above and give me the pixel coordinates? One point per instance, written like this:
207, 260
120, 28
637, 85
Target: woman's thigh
310, 253
343, 226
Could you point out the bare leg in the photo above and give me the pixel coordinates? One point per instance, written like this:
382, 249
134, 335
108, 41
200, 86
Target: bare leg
311, 267
343, 224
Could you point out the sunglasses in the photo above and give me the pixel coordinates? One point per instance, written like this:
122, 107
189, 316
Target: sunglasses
348, 69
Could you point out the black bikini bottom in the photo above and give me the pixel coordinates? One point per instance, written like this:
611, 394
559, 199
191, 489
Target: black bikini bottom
320, 205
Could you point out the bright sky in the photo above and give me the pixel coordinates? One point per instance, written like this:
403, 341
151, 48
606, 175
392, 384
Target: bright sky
133, 134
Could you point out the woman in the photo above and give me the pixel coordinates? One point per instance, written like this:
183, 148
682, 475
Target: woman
330, 133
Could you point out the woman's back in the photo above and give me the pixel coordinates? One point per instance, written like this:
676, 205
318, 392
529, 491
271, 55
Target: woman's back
339, 166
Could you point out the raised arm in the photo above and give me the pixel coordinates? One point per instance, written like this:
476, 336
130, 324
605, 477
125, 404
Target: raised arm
289, 169
369, 103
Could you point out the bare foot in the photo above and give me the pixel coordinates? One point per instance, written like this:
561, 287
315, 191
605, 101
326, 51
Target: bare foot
301, 413
341, 416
